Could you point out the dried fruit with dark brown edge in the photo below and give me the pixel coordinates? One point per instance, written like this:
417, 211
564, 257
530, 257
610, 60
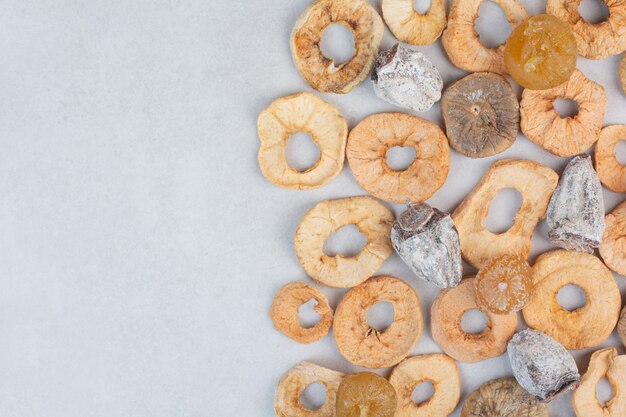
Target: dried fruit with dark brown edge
613, 248
541, 365
575, 215
481, 114
366, 394
505, 284
502, 397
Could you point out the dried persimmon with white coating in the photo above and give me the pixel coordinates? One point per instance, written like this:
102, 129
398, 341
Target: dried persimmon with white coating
462, 43
284, 312
502, 397
611, 172
366, 346
372, 219
407, 25
584, 327
367, 148
613, 248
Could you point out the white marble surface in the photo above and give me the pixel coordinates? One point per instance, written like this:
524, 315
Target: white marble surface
140, 246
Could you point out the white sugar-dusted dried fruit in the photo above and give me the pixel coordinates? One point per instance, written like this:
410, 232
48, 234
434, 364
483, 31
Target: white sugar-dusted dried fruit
372, 218
294, 381
541, 365
321, 73
406, 78
575, 214
409, 26
308, 113
502, 397
427, 240
613, 248
603, 363
611, 172
365, 346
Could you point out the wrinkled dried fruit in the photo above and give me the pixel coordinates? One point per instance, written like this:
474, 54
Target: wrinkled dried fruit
462, 43
427, 240
613, 248
446, 313
372, 218
504, 284
587, 326
365, 346
534, 182
541, 53
411, 27
407, 79
564, 136
366, 394
595, 40
502, 398
320, 72
575, 214
287, 398
541, 365
621, 326
441, 371
603, 363
306, 113
284, 312
611, 172
481, 114
622, 73
369, 142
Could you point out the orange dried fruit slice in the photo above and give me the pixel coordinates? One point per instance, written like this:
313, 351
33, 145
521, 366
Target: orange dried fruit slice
366, 394
504, 285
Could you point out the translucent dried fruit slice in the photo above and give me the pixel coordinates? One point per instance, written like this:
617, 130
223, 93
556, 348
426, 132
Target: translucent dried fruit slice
541, 53
504, 285
366, 394
621, 326
611, 172
481, 114
564, 136
603, 363
502, 398
613, 248
320, 72
411, 27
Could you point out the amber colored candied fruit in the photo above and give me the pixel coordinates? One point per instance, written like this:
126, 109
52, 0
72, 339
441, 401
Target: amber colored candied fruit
366, 394
541, 53
504, 285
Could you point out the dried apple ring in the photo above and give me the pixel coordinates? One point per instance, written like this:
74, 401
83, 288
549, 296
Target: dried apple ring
307, 113
320, 72
284, 312
294, 381
411, 27
534, 182
445, 325
564, 136
603, 363
372, 218
622, 73
438, 369
369, 142
595, 40
365, 346
462, 43
611, 172
613, 248
621, 326
582, 328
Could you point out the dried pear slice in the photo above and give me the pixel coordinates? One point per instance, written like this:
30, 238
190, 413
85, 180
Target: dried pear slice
411, 27
502, 398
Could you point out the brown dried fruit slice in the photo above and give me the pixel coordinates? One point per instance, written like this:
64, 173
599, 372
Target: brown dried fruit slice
438, 369
372, 218
534, 182
481, 114
365, 346
366, 394
564, 136
587, 326
320, 72
446, 313
621, 326
502, 398
504, 285
411, 27
306, 113
284, 312
603, 363
613, 248
294, 381
369, 142
611, 172
595, 40
462, 43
